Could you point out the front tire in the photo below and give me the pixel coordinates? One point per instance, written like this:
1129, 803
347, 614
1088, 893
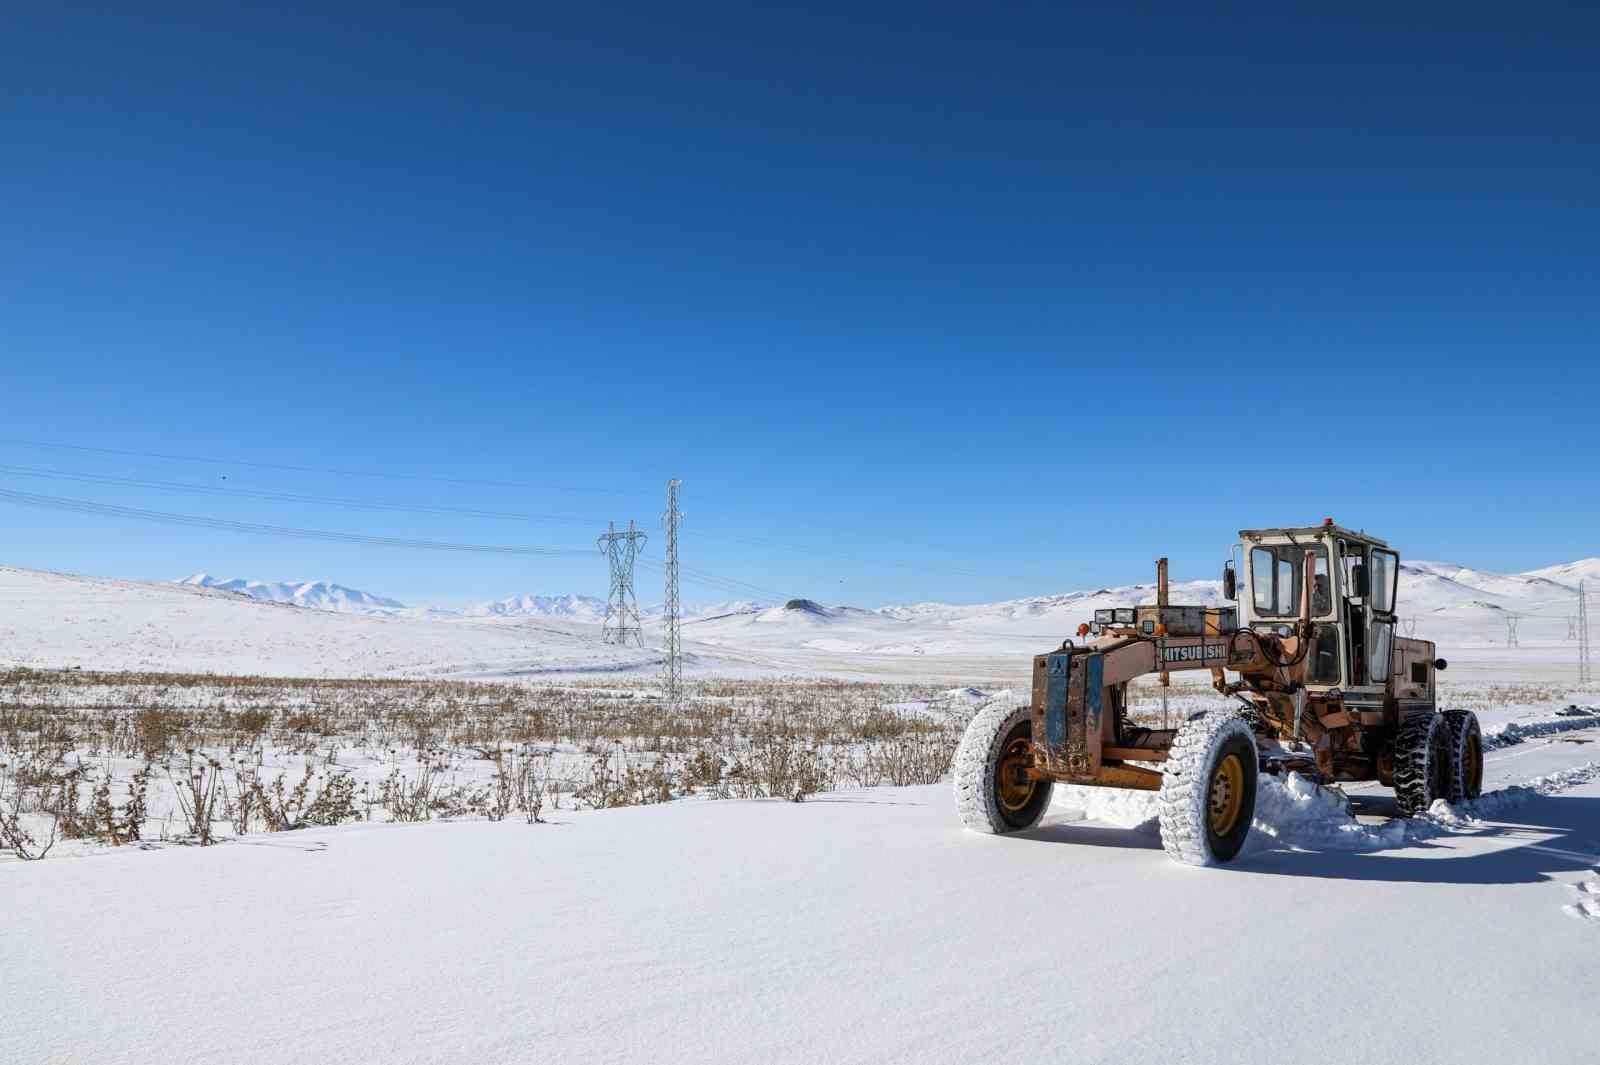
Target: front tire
1423, 763
993, 794
1466, 755
1208, 789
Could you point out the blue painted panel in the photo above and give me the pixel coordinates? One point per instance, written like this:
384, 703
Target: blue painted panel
1055, 700
1094, 689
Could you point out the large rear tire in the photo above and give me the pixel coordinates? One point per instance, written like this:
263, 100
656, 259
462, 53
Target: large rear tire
1466, 755
1208, 789
1423, 763
993, 792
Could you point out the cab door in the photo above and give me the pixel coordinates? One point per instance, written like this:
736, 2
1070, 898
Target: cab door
1383, 583
1354, 613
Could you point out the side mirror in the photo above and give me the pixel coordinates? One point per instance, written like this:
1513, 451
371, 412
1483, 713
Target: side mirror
1439, 663
1230, 583
1358, 577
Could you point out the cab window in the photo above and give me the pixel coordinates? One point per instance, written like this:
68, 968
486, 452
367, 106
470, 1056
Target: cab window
1275, 575
1385, 571
1324, 665
1350, 557
1382, 645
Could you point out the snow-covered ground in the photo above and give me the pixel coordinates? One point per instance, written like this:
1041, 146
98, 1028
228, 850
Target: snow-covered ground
856, 927
50, 620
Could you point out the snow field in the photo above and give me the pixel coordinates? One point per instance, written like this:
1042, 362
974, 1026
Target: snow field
851, 928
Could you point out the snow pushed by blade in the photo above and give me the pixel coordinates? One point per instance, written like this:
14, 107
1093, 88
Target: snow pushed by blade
1297, 812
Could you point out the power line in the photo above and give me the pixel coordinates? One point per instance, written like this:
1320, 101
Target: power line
291, 468
84, 506
403, 508
762, 542
726, 584
730, 585
286, 497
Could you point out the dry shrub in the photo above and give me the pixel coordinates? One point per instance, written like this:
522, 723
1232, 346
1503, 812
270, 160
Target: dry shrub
409, 798
279, 811
157, 731
200, 792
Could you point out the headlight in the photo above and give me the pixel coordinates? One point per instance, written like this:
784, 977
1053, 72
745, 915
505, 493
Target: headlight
1104, 617
1125, 617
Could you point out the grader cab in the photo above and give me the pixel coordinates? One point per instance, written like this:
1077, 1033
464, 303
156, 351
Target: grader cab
1324, 687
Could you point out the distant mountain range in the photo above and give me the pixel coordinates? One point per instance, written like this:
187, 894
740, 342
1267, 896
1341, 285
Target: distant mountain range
325, 595
1459, 595
313, 595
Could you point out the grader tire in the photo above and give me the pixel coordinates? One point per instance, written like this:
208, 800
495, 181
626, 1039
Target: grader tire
1466, 755
1423, 763
992, 793
1208, 789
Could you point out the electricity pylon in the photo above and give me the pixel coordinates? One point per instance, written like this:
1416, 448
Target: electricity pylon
1585, 674
672, 668
622, 610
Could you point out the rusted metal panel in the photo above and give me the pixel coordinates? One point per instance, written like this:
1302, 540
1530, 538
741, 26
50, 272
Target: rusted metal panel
1184, 620
1094, 690
1411, 671
1070, 713
1125, 659
1134, 754
1128, 776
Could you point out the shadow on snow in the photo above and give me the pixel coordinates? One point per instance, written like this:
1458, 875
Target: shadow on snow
1545, 836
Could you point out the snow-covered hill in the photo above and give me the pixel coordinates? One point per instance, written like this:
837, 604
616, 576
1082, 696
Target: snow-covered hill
314, 595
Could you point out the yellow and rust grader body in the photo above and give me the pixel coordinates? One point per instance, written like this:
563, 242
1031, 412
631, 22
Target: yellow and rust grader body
1323, 686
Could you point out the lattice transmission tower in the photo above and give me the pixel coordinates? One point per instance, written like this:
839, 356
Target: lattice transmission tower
672, 668
1512, 621
1585, 673
622, 610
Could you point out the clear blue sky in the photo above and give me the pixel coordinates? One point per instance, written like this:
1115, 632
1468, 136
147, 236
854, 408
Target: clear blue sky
939, 301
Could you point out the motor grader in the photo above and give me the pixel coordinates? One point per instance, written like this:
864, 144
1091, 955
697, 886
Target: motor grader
1323, 687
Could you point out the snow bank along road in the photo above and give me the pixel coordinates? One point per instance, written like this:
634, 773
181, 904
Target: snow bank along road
858, 927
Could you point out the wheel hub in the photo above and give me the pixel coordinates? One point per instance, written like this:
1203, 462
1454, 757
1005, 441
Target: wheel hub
1226, 796
1013, 786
